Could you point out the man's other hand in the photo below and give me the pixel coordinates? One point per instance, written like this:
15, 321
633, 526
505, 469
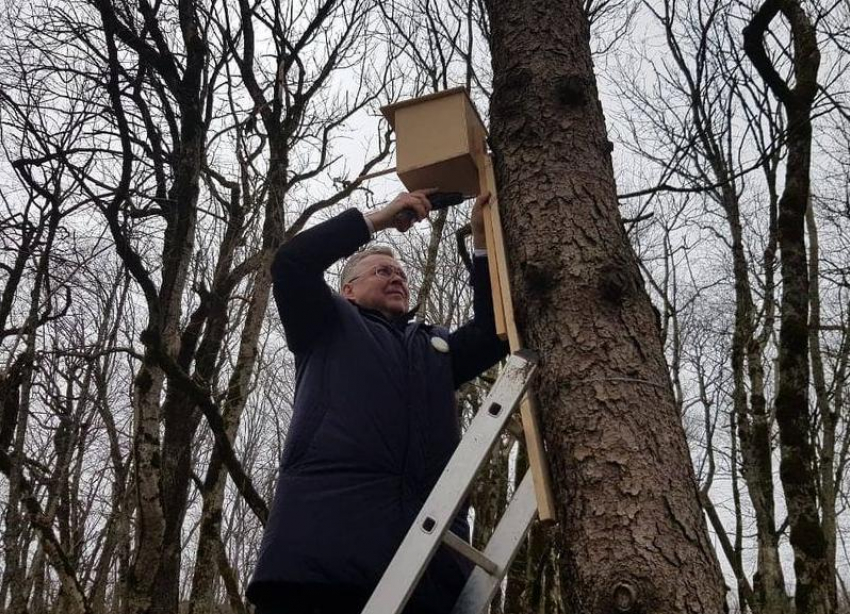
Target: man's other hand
476, 220
403, 211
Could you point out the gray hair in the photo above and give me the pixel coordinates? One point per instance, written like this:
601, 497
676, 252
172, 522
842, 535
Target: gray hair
351, 264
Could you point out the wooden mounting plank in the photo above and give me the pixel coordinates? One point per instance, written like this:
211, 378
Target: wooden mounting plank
488, 184
497, 249
499, 278
537, 461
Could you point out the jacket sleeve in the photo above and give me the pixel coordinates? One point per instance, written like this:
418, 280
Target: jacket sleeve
475, 347
304, 300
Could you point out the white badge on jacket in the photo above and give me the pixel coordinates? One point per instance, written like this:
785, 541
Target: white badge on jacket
440, 344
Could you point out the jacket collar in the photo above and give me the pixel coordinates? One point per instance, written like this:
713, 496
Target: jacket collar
399, 322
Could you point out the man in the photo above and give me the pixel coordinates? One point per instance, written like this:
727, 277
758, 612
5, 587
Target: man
374, 419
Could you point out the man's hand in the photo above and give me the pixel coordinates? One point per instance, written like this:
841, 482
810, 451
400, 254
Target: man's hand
476, 220
403, 211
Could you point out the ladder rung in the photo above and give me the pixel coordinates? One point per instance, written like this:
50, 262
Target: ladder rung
476, 556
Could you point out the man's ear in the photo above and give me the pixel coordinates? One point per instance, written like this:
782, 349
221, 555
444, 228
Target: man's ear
347, 291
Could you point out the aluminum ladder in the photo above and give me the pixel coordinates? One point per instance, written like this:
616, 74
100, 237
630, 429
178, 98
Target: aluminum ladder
431, 527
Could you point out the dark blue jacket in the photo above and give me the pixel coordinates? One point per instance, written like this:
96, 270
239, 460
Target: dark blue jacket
374, 424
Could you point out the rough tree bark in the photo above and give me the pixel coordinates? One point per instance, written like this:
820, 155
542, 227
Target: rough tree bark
634, 538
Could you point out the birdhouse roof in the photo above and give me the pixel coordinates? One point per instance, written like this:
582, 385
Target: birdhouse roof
389, 111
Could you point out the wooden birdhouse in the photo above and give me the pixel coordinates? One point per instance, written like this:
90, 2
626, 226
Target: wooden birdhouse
439, 138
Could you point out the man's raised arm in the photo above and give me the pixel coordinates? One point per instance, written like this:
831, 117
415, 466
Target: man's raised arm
303, 299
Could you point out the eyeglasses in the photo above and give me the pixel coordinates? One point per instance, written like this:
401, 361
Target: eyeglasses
385, 272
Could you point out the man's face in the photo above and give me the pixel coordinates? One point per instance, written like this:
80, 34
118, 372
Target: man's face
388, 296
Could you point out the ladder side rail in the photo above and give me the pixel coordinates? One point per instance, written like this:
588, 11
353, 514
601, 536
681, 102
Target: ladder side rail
502, 548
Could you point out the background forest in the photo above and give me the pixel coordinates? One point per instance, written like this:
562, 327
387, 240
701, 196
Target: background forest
156, 154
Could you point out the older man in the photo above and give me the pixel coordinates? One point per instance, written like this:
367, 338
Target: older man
374, 420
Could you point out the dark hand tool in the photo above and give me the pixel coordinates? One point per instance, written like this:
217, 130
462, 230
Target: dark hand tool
438, 200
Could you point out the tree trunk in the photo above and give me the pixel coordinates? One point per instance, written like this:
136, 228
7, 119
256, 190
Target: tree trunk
38, 599
213, 490
429, 273
828, 416
748, 394
634, 538
181, 425
814, 590
15, 560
